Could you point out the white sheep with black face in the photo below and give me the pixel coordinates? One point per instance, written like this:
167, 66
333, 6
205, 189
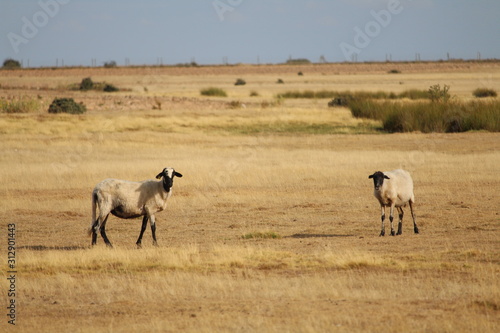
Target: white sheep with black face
126, 199
394, 189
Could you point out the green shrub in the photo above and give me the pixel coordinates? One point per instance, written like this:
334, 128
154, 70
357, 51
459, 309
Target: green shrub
212, 91
66, 105
86, 84
333, 94
19, 105
263, 235
366, 108
341, 100
438, 94
427, 116
414, 94
299, 61
110, 88
484, 92
240, 82
394, 71
11, 64
110, 64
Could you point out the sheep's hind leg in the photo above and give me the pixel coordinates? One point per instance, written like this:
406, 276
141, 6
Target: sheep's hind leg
94, 232
400, 224
382, 232
415, 228
143, 228
103, 232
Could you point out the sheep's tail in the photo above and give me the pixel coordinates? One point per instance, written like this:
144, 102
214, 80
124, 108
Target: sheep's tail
94, 212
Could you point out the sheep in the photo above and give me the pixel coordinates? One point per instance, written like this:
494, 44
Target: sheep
126, 199
394, 189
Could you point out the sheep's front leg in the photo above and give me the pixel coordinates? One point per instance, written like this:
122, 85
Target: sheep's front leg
143, 228
391, 219
382, 209
153, 229
400, 224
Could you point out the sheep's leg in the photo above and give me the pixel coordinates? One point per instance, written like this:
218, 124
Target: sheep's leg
400, 224
415, 228
143, 228
391, 219
382, 209
153, 229
103, 232
94, 232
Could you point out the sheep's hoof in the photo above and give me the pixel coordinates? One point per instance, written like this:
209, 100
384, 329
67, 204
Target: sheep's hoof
416, 230
393, 233
139, 245
382, 233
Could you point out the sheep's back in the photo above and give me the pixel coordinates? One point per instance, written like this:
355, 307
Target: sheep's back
402, 182
125, 190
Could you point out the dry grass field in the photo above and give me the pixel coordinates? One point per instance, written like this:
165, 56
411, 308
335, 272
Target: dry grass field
273, 228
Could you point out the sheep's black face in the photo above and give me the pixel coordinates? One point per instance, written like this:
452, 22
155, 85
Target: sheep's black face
378, 179
168, 175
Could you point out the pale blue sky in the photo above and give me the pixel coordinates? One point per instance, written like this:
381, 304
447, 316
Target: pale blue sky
245, 31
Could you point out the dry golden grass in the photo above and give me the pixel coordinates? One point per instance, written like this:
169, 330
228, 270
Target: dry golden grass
254, 171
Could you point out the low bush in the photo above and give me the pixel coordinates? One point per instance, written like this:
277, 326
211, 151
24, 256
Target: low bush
110, 64
438, 94
298, 61
66, 105
11, 64
240, 82
353, 95
110, 88
212, 91
341, 100
414, 94
19, 105
235, 105
484, 92
262, 235
427, 116
86, 84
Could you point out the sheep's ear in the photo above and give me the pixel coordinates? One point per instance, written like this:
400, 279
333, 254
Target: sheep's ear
158, 176
370, 176
386, 177
177, 174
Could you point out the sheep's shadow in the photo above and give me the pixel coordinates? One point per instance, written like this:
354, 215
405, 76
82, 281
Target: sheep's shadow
318, 236
48, 248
